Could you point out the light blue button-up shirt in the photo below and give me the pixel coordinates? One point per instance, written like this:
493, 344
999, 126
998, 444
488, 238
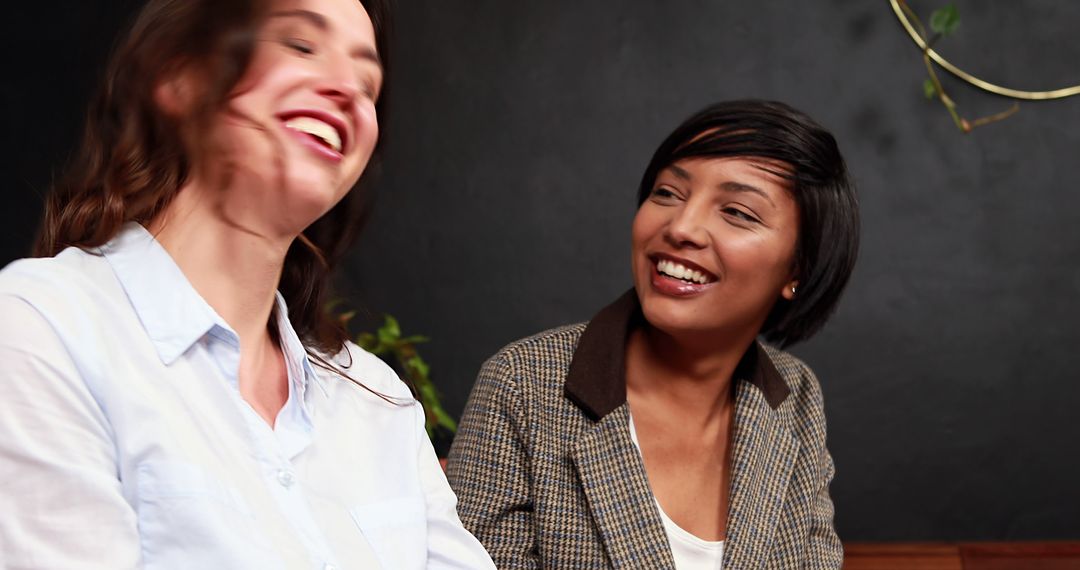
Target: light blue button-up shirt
124, 441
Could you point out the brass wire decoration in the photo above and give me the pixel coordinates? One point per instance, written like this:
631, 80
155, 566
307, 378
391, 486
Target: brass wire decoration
981, 84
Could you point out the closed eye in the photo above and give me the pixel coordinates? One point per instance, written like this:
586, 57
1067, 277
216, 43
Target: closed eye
370, 90
663, 196
300, 46
741, 215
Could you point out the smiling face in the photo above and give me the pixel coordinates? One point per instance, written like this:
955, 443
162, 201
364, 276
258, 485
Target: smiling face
713, 246
300, 125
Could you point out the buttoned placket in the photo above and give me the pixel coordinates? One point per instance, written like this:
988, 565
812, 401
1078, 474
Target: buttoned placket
275, 448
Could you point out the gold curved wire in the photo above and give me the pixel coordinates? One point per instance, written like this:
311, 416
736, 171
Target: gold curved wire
985, 85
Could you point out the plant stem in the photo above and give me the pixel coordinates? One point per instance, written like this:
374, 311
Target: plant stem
961, 123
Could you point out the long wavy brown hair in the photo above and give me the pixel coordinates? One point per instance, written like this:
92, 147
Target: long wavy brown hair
133, 160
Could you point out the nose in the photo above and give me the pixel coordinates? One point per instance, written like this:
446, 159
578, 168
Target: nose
687, 227
339, 82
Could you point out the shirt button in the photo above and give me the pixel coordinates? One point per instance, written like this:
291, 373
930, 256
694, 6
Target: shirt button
285, 478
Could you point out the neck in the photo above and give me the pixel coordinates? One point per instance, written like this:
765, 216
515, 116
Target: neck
692, 372
234, 269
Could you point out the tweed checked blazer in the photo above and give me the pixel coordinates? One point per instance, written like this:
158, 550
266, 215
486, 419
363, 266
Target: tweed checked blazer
548, 477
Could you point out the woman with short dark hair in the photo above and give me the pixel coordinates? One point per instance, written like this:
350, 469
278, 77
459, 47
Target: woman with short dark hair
175, 393
662, 434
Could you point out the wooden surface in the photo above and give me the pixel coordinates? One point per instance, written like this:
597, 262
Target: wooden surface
963, 556
902, 556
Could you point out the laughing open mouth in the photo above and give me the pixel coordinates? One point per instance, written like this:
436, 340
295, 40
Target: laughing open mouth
679, 271
322, 132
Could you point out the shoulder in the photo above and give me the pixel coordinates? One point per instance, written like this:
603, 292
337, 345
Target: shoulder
553, 348
369, 371
528, 371
68, 263
805, 403
72, 276
796, 373
70, 292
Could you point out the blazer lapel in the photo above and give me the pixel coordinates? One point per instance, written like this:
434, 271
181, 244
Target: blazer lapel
617, 490
764, 456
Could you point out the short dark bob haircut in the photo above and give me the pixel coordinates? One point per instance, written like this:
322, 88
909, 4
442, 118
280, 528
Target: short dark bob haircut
828, 241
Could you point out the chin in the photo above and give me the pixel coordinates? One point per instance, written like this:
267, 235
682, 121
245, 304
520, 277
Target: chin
306, 199
672, 316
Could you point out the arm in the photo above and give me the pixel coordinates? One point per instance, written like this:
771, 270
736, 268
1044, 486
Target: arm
489, 468
824, 550
450, 546
61, 498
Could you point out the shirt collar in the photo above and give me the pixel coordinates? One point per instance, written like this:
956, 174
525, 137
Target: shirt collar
174, 315
301, 371
596, 381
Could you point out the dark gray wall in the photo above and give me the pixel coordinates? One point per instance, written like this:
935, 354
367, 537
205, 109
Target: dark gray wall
519, 131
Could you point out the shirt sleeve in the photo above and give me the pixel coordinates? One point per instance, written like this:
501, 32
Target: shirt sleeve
450, 546
61, 497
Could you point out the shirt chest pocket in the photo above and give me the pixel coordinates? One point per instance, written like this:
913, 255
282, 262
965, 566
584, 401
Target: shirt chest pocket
396, 529
188, 518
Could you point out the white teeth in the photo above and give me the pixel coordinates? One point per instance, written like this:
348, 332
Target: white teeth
316, 128
680, 271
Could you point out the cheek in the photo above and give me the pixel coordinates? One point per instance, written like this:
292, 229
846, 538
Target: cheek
766, 262
367, 135
639, 237
367, 128
648, 223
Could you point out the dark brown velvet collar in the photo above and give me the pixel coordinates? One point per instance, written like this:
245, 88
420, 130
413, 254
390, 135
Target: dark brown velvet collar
596, 381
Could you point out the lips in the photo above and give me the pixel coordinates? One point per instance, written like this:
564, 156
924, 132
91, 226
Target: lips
679, 277
319, 127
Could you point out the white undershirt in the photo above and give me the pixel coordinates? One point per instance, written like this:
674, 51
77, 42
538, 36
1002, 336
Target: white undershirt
689, 551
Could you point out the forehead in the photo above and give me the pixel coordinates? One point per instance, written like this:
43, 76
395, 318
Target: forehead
346, 20
763, 172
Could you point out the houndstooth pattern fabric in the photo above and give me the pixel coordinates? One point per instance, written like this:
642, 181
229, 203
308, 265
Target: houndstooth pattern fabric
543, 485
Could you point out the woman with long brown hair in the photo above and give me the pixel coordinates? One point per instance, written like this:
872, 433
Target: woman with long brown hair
175, 393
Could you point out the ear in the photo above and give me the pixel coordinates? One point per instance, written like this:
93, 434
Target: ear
176, 91
789, 290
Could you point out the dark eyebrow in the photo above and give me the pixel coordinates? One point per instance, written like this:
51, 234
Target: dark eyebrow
314, 18
732, 186
319, 21
679, 172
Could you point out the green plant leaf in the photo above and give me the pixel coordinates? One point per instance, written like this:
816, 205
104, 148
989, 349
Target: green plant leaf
392, 327
945, 20
366, 341
418, 364
387, 339
444, 419
428, 396
928, 89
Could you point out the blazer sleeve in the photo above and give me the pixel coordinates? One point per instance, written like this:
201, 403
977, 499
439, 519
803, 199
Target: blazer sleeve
489, 469
825, 551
